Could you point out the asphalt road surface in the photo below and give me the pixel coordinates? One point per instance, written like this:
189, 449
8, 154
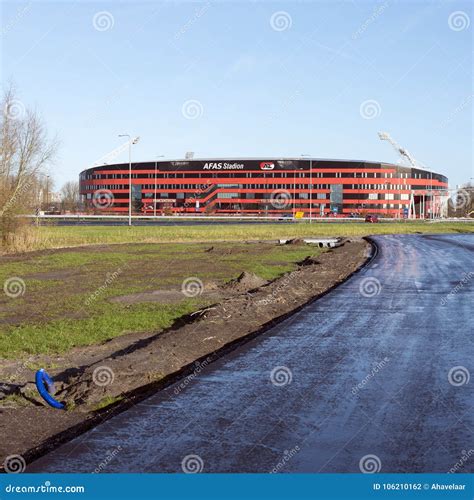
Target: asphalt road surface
373, 376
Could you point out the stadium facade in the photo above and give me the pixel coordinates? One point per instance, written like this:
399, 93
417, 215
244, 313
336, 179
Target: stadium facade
264, 186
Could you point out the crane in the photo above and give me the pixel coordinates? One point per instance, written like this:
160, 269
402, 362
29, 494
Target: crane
406, 157
404, 154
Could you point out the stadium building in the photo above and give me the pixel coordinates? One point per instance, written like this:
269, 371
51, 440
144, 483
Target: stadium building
264, 186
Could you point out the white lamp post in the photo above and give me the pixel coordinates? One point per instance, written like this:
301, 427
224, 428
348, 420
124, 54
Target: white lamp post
310, 187
154, 195
130, 142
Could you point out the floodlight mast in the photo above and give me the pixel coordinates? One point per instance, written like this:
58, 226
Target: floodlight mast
404, 154
385, 136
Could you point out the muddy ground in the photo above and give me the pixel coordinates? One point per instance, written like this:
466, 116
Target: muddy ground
109, 378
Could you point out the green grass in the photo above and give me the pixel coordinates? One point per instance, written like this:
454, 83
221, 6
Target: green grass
63, 334
55, 315
54, 237
56, 312
107, 401
14, 400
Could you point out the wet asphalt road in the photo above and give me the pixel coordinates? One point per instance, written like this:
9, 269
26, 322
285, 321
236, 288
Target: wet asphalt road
366, 371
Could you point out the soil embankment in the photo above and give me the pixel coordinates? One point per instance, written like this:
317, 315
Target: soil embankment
109, 378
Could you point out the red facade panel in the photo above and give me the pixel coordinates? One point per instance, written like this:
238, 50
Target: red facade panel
260, 187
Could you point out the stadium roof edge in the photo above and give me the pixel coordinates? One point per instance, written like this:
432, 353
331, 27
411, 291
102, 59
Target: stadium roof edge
260, 158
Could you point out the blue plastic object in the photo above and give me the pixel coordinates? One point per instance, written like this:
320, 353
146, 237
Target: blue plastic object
45, 386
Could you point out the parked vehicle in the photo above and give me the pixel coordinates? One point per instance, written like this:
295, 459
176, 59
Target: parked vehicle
371, 218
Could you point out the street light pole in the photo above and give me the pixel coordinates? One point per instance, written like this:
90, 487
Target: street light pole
156, 174
294, 192
310, 187
130, 142
129, 182
431, 196
310, 190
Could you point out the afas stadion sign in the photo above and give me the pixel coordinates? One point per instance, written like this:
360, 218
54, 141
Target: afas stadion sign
264, 165
231, 165
223, 166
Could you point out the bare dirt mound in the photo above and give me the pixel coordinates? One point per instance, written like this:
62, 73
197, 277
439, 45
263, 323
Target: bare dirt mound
212, 290
244, 283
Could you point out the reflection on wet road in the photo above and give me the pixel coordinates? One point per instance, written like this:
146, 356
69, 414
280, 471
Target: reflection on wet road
371, 376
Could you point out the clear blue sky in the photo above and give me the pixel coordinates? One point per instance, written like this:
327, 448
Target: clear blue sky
266, 86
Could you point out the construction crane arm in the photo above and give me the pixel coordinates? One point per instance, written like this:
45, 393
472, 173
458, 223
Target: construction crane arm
385, 136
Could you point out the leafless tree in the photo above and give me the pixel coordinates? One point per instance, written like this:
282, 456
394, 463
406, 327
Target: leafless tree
25, 151
70, 196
